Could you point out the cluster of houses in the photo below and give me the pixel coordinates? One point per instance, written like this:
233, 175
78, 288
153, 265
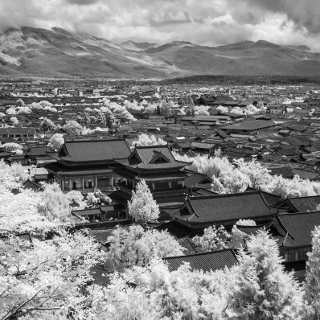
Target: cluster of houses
284, 137
187, 203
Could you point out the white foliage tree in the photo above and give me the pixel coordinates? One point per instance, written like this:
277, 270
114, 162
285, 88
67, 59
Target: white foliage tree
148, 140
213, 238
54, 204
264, 290
135, 246
313, 276
45, 279
56, 141
154, 293
142, 207
72, 127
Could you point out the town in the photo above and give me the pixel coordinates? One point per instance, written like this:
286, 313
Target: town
204, 168
159, 160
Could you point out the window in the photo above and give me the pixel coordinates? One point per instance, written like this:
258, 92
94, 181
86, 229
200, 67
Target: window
76, 184
105, 182
88, 183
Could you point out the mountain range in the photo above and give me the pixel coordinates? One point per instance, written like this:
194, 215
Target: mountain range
56, 52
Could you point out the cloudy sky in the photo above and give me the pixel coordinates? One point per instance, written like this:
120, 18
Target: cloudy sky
209, 22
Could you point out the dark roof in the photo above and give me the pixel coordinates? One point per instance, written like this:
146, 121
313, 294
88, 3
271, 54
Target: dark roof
202, 145
153, 157
304, 204
223, 208
208, 261
299, 227
196, 179
250, 125
94, 150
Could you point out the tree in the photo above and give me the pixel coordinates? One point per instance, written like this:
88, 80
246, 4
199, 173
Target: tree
148, 140
142, 207
72, 127
55, 204
56, 141
155, 293
135, 246
45, 279
213, 238
47, 125
12, 147
236, 176
263, 290
14, 121
313, 276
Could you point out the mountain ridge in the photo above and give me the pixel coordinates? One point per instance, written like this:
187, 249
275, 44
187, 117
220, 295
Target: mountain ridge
56, 52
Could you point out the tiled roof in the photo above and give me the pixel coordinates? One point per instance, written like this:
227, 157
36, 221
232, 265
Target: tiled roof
230, 207
208, 261
147, 154
304, 204
299, 226
250, 125
145, 157
97, 150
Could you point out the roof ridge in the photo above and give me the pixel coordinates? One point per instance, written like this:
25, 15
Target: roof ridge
95, 140
303, 197
153, 146
223, 195
298, 213
201, 253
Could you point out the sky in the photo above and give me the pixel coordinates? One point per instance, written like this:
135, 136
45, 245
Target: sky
206, 22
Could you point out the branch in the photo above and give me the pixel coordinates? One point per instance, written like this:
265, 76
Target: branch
14, 311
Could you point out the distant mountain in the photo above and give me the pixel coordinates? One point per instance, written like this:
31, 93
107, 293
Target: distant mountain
59, 53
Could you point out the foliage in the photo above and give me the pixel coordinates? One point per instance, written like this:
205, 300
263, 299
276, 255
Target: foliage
213, 238
154, 293
54, 203
142, 207
116, 111
45, 279
148, 140
12, 147
135, 246
72, 127
14, 121
56, 141
246, 222
313, 276
201, 110
47, 124
237, 176
263, 290
12, 177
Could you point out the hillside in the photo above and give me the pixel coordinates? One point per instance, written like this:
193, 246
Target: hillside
58, 53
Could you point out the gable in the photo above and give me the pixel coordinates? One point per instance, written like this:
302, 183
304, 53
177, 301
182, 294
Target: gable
158, 157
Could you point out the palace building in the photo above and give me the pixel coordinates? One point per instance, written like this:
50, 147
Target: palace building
88, 165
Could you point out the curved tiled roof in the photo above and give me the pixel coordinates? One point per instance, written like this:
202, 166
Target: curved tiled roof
230, 207
208, 261
94, 150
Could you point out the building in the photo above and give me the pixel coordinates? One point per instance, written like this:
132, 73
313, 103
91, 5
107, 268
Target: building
249, 126
200, 212
88, 165
17, 134
161, 171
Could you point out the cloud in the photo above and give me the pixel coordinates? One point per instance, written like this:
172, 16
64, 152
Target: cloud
208, 22
82, 2
303, 13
